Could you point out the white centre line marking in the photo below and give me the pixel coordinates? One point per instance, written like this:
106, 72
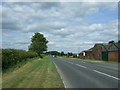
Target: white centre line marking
70, 62
81, 66
106, 74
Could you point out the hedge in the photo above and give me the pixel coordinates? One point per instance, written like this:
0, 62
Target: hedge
12, 56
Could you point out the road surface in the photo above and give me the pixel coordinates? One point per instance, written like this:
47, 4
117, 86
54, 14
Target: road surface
78, 74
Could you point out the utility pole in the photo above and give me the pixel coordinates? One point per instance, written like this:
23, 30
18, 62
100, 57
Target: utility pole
78, 51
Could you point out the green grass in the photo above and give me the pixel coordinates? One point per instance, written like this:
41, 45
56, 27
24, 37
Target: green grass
36, 73
112, 62
90, 60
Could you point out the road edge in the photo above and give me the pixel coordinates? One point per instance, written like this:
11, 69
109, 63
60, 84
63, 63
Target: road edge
59, 74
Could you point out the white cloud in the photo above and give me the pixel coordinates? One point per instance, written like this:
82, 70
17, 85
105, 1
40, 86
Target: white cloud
62, 23
51, 43
92, 1
95, 26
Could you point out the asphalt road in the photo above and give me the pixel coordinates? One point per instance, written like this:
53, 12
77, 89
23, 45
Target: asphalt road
77, 74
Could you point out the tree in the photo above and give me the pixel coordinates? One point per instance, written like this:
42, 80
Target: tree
53, 53
62, 53
69, 54
119, 41
39, 44
74, 55
111, 42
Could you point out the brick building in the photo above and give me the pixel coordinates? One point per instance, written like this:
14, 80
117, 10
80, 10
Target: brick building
113, 52
102, 51
89, 54
81, 56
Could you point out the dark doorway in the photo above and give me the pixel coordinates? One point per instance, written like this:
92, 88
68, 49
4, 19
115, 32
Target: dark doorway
105, 55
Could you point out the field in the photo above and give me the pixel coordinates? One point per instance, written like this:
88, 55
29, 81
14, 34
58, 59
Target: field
36, 73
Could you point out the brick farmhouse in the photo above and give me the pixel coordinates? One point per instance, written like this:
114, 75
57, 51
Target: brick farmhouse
102, 51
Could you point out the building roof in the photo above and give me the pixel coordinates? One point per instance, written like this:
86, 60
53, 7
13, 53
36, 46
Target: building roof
89, 50
106, 47
114, 47
109, 47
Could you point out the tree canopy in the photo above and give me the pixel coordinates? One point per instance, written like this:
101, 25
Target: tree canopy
111, 42
62, 53
69, 54
38, 44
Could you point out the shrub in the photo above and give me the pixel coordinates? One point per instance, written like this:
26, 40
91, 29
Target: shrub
74, 56
12, 56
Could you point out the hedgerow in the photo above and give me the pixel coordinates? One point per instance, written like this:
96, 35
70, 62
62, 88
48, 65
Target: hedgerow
13, 56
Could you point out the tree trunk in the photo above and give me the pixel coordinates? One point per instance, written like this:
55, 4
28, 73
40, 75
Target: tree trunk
40, 55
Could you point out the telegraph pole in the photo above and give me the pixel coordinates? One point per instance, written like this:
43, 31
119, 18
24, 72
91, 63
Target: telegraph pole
78, 51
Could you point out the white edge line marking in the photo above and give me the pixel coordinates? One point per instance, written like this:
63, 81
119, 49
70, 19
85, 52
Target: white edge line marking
59, 74
106, 74
81, 66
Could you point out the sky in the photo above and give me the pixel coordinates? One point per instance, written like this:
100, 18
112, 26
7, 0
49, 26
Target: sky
68, 26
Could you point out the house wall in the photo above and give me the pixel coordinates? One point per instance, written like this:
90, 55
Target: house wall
81, 56
89, 55
97, 52
113, 56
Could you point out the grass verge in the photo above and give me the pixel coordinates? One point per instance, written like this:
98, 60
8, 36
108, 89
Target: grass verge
17, 66
36, 73
90, 60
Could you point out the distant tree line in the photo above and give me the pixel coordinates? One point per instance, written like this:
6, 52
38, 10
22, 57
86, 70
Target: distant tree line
61, 53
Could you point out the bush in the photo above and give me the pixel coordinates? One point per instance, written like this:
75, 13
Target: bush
74, 56
12, 56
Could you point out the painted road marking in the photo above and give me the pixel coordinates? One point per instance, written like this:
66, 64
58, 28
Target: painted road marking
76, 64
97, 71
81, 66
106, 74
69, 62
